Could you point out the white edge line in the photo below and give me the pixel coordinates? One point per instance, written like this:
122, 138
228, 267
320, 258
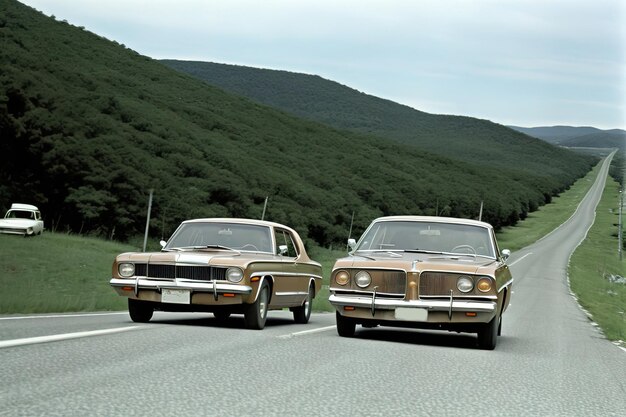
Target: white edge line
320, 329
66, 336
55, 316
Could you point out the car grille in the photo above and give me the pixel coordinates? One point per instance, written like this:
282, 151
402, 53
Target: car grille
200, 273
389, 283
438, 284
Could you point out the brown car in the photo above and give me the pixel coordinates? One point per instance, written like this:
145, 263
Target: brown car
223, 266
423, 272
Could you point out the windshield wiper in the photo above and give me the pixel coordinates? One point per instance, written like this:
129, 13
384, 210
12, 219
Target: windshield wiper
387, 252
432, 252
355, 253
204, 247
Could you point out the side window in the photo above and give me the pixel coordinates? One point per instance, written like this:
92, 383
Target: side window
283, 238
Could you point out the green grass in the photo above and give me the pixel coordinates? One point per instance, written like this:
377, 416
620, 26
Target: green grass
547, 218
56, 272
594, 261
327, 258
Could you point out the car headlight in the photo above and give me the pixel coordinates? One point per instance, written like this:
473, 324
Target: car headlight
484, 284
126, 270
465, 284
234, 274
342, 277
362, 279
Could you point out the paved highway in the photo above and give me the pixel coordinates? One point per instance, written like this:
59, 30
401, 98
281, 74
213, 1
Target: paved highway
550, 359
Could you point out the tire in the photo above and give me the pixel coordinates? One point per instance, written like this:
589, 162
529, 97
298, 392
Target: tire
345, 325
488, 335
139, 311
256, 313
221, 315
302, 314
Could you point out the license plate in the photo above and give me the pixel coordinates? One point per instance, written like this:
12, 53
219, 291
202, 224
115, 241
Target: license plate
175, 296
411, 314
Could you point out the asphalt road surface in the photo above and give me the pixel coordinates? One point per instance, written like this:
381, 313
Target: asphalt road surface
550, 360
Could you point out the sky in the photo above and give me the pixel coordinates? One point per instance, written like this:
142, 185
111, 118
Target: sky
515, 62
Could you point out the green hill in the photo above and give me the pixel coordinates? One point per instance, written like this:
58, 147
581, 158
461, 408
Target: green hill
578, 137
463, 138
88, 127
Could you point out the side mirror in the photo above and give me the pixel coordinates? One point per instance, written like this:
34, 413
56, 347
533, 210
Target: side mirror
351, 244
505, 254
282, 250
162, 243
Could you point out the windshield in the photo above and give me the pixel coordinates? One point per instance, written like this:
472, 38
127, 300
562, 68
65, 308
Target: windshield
20, 214
428, 237
241, 237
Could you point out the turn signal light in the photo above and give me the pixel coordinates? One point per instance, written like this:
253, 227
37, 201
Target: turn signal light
127, 288
470, 314
484, 285
228, 295
348, 308
342, 277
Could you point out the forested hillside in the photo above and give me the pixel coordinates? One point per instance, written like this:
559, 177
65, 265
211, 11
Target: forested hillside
468, 139
88, 127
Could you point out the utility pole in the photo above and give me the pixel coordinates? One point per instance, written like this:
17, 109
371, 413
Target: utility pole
145, 237
264, 207
619, 225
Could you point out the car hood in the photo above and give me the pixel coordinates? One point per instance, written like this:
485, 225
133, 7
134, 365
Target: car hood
419, 262
204, 257
18, 223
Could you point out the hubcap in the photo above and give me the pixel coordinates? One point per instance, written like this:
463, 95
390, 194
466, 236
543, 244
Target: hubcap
263, 303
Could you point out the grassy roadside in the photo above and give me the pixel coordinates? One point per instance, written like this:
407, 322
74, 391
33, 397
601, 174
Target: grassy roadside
56, 272
596, 272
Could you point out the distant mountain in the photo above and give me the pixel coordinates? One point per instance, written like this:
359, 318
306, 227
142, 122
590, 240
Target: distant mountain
467, 139
577, 137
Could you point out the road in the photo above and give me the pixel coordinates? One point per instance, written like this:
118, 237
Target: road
550, 359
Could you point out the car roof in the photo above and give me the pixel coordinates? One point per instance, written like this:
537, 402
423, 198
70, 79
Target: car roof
254, 222
19, 206
434, 219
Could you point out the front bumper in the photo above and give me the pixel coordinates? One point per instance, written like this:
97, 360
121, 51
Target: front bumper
14, 231
216, 288
448, 313
430, 305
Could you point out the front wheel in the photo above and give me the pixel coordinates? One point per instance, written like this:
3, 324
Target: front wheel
256, 313
302, 314
488, 334
345, 325
139, 311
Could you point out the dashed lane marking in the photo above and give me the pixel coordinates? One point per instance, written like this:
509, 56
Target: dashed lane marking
66, 336
55, 316
305, 332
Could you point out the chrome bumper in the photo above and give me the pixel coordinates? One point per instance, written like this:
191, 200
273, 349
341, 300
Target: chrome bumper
181, 284
449, 305
14, 231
